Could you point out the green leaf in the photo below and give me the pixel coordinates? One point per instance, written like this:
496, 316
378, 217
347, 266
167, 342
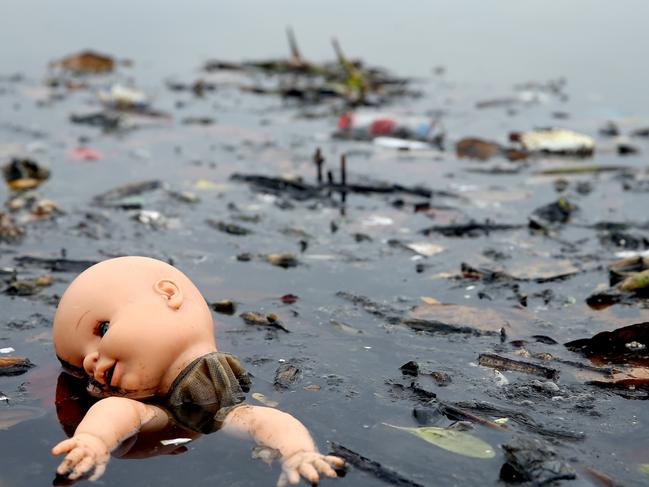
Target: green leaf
451, 440
644, 468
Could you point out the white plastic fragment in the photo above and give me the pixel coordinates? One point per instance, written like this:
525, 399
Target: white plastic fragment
501, 380
425, 248
558, 141
121, 96
7, 350
626, 254
175, 441
378, 221
400, 144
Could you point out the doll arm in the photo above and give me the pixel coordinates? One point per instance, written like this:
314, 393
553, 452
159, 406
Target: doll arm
281, 431
106, 424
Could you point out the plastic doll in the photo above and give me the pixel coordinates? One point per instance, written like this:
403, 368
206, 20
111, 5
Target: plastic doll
142, 333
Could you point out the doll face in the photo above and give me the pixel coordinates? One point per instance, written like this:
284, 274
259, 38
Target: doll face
127, 328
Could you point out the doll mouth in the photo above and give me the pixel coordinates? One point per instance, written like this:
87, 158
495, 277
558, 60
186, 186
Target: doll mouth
108, 377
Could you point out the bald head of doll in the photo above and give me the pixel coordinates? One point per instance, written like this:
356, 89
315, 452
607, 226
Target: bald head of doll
132, 324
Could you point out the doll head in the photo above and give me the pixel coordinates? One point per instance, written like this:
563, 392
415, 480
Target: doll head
131, 324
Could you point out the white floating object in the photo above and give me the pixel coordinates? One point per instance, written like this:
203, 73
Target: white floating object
400, 144
557, 141
626, 254
121, 96
378, 221
7, 350
425, 248
175, 441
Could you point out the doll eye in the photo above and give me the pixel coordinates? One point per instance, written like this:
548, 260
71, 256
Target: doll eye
102, 329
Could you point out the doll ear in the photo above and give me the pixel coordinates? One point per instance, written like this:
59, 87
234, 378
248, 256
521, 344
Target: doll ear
170, 291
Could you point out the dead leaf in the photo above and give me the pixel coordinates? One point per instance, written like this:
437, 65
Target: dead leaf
482, 319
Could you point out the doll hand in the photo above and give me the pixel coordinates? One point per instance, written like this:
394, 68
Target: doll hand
85, 452
308, 464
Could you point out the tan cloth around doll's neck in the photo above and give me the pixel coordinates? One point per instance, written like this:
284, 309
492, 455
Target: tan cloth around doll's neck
206, 391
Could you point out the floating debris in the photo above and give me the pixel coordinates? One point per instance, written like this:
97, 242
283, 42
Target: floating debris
121, 97
114, 197
410, 368
350, 330
153, 219
106, 121
282, 260
85, 154
289, 298
300, 190
454, 318
425, 248
54, 264
367, 125
86, 62
22, 174
502, 363
28, 287
258, 396
286, 375
451, 440
610, 129
472, 148
558, 212
14, 365
253, 318
555, 141
225, 306
346, 80
229, 228
471, 229
533, 460
9, 231
588, 169
401, 144
388, 475
175, 441
623, 345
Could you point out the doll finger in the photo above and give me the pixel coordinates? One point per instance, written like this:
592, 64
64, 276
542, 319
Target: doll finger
64, 446
99, 471
335, 461
293, 476
70, 461
325, 468
82, 467
309, 472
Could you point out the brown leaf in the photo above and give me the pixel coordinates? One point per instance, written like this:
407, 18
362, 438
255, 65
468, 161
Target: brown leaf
482, 319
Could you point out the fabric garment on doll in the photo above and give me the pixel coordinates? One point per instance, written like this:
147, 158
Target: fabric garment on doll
206, 391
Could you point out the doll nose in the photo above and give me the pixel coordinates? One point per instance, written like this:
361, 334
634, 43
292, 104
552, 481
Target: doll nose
90, 363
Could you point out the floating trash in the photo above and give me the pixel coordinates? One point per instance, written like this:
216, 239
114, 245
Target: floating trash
14, 365
175, 441
22, 174
123, 98
367, 125
555, 141
86, 62
224, 306
451, 440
